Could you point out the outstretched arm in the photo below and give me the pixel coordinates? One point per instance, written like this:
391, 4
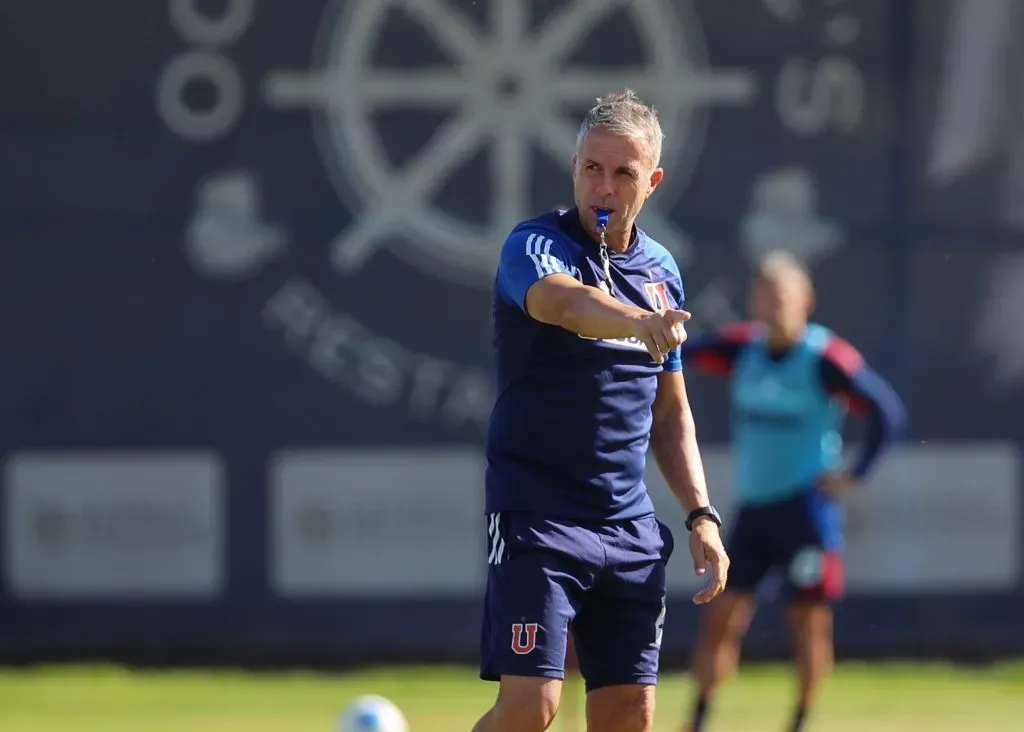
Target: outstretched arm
534, 273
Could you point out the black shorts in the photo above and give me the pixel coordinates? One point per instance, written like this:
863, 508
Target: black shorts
800, 536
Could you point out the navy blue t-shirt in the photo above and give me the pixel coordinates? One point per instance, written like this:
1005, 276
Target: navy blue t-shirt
570, 429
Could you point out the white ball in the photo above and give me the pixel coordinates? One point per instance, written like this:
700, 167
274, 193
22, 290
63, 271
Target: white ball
371, 713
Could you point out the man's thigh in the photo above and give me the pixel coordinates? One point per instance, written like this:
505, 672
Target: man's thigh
538, 572
618, 629
811, 542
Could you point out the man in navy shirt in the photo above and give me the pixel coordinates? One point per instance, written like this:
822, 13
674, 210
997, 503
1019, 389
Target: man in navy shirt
791, 384
588, 322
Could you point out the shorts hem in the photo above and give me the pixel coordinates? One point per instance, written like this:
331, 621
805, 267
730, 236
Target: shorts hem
537, 674
796, 599
647, 680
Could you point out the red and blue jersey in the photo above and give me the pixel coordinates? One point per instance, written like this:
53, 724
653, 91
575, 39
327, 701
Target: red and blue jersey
570, 428
788, 408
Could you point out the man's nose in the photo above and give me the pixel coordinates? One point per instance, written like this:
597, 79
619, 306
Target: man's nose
605, 186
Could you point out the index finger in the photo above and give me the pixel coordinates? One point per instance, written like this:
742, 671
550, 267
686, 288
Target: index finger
719, 571
719, 574
678, 316
653, 349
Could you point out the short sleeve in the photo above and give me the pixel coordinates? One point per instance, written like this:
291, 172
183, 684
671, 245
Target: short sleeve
528, 256
674, 361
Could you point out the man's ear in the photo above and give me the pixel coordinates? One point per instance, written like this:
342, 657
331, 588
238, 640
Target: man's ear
657, 175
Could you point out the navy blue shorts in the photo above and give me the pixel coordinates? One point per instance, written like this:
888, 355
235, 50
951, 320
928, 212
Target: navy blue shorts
605, 582
800, 537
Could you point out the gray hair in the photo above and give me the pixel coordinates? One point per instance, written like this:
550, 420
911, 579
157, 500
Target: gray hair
624, 113
779, 263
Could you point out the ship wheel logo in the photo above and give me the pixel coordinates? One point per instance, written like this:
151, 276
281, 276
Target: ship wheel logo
505, 90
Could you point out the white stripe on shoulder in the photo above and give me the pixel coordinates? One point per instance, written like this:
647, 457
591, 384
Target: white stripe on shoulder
549, 263
538, 249
531, 252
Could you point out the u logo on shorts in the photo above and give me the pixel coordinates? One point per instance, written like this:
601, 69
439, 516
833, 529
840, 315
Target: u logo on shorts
524, 638
807, 569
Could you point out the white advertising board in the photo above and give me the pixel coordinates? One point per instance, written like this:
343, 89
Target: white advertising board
403, 522
377, 523
113, 526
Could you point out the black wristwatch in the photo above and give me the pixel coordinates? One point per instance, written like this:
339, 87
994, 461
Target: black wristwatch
697, 513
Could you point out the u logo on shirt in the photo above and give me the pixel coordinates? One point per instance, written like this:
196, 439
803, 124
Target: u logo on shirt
657, 295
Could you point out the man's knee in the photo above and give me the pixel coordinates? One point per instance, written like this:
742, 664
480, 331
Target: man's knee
625, 708
810, 620
811, 626
525, 704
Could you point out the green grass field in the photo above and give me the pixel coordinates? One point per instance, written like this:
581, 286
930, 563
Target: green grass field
859, 697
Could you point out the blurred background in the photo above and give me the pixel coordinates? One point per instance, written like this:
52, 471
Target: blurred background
247, 254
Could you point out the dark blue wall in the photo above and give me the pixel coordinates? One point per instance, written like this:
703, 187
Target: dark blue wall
140, 310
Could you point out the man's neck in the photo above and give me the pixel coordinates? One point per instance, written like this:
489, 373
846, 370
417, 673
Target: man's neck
618, 241
781, 341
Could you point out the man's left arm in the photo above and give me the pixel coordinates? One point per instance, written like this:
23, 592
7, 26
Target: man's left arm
673, 433
675, 449
674, 442
867, 395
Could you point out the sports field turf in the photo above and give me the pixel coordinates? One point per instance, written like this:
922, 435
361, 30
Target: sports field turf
860, 697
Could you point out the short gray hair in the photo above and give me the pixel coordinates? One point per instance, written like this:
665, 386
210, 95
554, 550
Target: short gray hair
778, 263
624, 113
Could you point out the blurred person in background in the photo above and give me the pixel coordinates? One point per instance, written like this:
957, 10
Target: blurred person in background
588, 322
791, 383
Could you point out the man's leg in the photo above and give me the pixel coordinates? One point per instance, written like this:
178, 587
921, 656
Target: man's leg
810, 625
811, 534
619, 628
815, 581
572, 691
724, 623
537, 575
621, 708
725, 620
524, 704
